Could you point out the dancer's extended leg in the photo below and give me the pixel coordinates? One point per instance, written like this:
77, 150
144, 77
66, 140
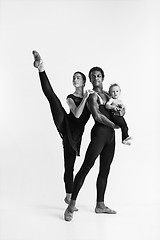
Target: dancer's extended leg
57, 109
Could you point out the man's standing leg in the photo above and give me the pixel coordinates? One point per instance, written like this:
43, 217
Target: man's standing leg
106, 158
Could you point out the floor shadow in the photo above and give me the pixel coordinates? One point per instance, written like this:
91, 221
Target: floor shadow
85, 208
49, 210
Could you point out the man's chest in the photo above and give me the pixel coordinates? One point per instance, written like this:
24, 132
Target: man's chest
102, 98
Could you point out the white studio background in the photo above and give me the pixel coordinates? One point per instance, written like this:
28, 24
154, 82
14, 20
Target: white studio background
122, 37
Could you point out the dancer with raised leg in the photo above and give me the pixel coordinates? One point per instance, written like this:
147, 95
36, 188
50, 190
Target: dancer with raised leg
70, 126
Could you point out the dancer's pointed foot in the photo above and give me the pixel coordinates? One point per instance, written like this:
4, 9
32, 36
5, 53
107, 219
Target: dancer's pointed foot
105, 210
38, 63
68, 215
67, 200
37, 59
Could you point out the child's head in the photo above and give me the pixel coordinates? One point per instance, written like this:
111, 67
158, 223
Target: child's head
114, 90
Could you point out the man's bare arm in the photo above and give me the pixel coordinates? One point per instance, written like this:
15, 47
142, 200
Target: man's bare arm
97, 115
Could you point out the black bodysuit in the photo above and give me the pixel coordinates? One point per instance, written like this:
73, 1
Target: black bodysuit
69, 127
75, 126
102, 144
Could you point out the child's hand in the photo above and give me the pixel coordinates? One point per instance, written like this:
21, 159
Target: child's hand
120, 106
115, 108
118, 110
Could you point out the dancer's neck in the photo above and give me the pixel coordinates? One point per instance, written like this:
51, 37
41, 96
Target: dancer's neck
79, 92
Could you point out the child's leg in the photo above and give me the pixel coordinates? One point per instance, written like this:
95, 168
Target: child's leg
120, 121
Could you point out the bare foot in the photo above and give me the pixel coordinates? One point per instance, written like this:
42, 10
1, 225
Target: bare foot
127, 141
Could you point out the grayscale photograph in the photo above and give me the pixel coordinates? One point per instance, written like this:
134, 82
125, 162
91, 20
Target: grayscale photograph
80, 155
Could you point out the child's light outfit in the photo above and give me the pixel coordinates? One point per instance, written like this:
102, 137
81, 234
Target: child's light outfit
117, 117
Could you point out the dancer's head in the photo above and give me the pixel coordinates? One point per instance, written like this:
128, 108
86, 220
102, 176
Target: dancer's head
79, 79
114, 90
96, 76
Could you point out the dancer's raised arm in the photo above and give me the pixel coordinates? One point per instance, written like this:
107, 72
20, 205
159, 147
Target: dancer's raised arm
77, 111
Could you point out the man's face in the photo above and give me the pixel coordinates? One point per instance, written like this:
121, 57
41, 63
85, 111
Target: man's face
96, 78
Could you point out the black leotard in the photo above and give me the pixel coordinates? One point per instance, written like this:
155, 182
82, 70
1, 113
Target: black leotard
67, 124
75, 126
69, 127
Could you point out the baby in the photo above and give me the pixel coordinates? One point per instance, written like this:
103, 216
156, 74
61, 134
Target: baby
117, 112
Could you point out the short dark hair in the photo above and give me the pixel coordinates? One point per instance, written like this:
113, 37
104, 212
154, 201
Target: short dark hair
83, 76
96, 69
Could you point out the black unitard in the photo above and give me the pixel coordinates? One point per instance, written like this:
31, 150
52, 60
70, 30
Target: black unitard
102, 143
69, 127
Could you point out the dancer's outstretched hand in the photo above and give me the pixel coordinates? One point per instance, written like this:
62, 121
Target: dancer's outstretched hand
88, 92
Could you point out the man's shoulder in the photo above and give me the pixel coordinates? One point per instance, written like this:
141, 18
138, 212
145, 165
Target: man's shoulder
93, 96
